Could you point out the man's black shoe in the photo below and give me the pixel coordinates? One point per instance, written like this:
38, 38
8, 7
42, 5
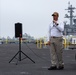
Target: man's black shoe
52, 68
60, 67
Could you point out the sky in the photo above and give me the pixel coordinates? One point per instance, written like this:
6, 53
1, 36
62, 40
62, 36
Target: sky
35, 15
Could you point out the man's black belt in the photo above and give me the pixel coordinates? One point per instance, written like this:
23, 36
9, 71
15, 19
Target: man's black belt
55, 37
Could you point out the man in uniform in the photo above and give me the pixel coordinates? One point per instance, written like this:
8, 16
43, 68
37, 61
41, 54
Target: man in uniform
56, 29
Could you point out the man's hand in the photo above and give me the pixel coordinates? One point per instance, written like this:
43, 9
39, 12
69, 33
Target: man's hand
55, 22
48, 43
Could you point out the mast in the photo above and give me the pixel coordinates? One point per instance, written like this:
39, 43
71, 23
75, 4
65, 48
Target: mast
70, 11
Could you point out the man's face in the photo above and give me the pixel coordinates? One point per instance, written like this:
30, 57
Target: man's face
55, 17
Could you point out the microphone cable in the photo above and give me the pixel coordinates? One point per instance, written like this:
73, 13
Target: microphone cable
37, 54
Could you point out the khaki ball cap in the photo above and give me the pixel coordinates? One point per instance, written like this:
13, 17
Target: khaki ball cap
55, 14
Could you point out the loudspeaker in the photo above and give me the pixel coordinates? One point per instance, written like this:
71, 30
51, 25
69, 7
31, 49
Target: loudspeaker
18, 29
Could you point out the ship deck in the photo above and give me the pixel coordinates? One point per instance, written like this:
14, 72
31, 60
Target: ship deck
41, 58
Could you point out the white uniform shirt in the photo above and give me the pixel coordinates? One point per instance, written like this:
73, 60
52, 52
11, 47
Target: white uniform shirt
55, 30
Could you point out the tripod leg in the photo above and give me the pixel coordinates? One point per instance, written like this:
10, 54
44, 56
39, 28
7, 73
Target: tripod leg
28, 57
19, 55
14, 56
17, 61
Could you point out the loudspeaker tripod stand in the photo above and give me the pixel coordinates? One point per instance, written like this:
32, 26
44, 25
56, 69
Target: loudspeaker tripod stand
19, 52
